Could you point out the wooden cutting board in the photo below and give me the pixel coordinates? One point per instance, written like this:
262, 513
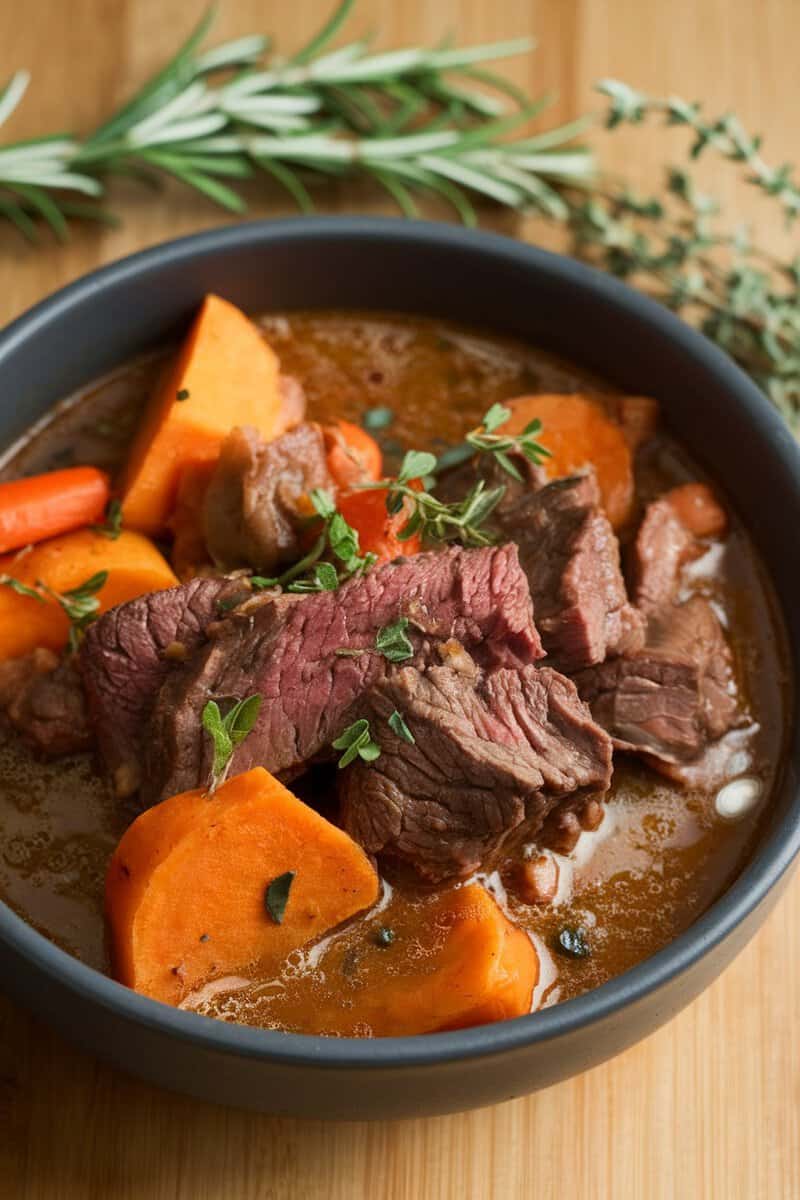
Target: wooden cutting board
706, 1109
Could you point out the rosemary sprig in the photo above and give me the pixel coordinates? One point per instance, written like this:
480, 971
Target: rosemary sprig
411, 120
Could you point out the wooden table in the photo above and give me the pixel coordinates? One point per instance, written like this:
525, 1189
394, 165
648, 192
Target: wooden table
708, 1107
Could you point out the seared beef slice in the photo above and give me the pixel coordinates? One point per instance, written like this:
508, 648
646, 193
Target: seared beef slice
663, 544
127, 654
43, 698
676, 695
311, 657
488, 754
570, 554
254, 504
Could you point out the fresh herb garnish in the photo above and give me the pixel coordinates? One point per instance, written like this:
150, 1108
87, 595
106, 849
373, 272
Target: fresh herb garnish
573, 943
310, 574
384, 936
276, 895
112, 526
228, 732
392, 641
398, 726
431, 517
80, 603
375, 419
21, 589
486, 439
183, 394
356, 741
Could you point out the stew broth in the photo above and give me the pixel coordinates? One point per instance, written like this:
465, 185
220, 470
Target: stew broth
660, 857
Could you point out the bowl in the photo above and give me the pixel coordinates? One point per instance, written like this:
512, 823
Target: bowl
560, 305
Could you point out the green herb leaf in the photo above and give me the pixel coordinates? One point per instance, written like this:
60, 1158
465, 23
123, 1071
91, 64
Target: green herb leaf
228, 732
112, 526
484, 439
415, 465
393, 643
399, 727
183, 394
276, 896
572, 943
356, 742
21, 589
323, 503
384, 936
375, 419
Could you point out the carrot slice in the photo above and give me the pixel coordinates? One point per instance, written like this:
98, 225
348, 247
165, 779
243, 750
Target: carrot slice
187, 888
133, 563
42, 506
352, 455
377, 529
224, 375
485, 970
578, 433
698, 509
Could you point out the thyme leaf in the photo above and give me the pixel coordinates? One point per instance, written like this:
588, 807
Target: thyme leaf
356, 742
393, 643
398, 726
276, 895
228, 732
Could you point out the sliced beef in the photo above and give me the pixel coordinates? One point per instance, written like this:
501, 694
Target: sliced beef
255, 503
489, 753
43, 699
663, 544
311, 657
673, 697
570, 555
127, 654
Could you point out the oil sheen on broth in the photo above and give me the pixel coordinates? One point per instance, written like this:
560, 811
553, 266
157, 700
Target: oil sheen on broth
660, 857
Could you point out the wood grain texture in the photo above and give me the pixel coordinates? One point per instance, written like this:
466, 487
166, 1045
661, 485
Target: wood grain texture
707, 1108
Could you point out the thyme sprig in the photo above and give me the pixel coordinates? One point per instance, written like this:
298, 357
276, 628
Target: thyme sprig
227, 732
676, 245
500, 445
81, 604
431, 518
313, 572
412, 120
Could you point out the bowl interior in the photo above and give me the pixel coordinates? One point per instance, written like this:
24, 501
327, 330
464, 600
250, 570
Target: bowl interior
489, 282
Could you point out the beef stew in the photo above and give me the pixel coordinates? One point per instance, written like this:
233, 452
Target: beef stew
473, 659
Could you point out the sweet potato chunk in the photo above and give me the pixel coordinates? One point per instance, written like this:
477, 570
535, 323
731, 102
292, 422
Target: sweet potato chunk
225, 374
186, 890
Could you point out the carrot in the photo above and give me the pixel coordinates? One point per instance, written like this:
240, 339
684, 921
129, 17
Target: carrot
352, 455
484, 970
133, 564
377, 530
698, 509
578, 432
188, 893
224, 375
42, 506
189, 551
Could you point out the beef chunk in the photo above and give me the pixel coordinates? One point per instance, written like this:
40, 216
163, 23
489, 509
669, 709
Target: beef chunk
43, 699
311, 657
127, 654
453, 485
663, 544
255, 501
636, 415
570, 554
489, 754
673, 697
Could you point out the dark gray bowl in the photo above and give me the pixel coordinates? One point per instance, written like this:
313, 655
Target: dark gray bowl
488, 281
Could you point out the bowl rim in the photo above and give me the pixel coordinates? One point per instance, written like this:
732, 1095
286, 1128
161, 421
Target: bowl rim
761, 874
